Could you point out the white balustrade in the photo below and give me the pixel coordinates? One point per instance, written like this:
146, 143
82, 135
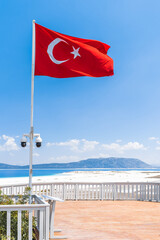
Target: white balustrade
40, 210
92, 191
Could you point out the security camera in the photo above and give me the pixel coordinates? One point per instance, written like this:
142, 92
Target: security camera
23, 141
38, 141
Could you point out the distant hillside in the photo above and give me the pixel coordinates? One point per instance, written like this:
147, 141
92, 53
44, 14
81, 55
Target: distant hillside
89, 163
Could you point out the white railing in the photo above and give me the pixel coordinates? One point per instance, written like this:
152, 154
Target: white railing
40, 210
92, 191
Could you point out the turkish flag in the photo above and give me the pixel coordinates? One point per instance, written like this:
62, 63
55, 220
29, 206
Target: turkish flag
61, 56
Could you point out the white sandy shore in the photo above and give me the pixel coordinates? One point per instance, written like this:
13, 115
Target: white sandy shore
89, 176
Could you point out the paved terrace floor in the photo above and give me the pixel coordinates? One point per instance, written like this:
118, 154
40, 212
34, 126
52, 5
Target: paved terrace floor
107, 220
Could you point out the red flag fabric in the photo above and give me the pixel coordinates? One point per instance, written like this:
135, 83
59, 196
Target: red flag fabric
61, 56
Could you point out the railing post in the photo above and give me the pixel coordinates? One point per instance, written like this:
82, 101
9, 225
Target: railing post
120, 191
136, 191
12, 190
148, 192
113, 193
88, 192
76, 192
102, 190
41, 233
145, 192
19, 225
132, 191
47, 223
8, 225
140, 191
85, 195
92, 195
52, 190
124, 192
128, 192
109, 192
64, 191
52, 213
30, 225
157, 193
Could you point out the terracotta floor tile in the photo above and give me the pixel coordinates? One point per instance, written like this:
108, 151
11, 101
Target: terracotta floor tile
107, 220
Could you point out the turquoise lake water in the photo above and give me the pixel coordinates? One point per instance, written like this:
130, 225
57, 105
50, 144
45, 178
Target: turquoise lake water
9, 173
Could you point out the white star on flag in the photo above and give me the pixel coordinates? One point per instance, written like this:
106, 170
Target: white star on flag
75, 52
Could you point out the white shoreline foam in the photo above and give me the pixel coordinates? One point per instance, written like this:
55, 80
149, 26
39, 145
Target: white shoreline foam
89, 176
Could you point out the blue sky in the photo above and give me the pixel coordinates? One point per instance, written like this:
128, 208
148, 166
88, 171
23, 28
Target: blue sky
82, 117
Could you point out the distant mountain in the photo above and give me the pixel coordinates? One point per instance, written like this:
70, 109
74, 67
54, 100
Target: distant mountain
89, 163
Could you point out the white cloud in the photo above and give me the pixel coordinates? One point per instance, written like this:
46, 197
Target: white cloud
76, 145
118, 140
36, 154
11, 154
134, 146
103, 155
9, 144
112, 146
73, 144
88, 145
122, 148
158, 142
64, 158
153, 138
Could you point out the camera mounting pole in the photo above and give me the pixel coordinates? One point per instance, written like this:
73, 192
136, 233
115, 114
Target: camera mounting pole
31, 135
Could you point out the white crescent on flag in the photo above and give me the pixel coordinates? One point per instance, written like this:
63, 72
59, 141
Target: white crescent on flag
50, 50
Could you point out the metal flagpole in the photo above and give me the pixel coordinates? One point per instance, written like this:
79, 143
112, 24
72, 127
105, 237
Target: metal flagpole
31, 135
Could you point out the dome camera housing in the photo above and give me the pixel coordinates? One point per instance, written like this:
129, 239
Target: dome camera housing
38, 142
23, 141
23, 144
